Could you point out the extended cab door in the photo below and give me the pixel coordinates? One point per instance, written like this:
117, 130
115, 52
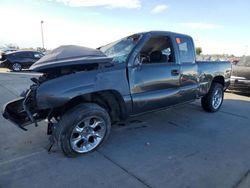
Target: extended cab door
188, 68
154, 77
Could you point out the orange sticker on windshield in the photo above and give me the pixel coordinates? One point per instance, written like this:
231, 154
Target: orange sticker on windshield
178, 40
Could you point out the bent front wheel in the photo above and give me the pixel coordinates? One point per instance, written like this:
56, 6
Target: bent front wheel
83, 129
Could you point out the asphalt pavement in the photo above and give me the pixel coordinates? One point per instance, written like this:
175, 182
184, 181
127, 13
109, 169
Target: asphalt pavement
182, 147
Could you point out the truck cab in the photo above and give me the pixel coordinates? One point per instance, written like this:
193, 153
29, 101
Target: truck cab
163, 71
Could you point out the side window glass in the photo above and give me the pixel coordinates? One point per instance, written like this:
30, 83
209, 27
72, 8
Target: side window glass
185, 50
37, 55
157, 50
23, 55
30, 55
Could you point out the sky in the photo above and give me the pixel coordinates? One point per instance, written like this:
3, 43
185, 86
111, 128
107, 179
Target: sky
216, 26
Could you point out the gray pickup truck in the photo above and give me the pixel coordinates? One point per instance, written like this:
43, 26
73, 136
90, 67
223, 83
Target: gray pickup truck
82, 91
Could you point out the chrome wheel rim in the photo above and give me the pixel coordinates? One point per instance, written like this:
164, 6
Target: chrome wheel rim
16, 67
88, 134
217, 98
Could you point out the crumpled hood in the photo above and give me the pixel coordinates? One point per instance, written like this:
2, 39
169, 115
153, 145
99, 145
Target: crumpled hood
69, 55
241, 71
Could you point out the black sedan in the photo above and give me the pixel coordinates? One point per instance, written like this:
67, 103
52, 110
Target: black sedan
19, 60
240, 79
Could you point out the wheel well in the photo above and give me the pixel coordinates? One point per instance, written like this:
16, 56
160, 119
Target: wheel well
110, 100
219, 79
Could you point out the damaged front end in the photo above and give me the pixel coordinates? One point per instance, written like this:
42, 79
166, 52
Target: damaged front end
62, 71
22, 111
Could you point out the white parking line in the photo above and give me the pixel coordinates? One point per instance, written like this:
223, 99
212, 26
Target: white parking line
21, 157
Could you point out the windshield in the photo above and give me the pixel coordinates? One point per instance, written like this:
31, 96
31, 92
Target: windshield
245, 61
120, 50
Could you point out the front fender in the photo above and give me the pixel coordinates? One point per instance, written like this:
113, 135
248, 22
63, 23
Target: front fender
57, 92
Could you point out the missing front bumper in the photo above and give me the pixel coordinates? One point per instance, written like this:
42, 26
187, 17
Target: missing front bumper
14, 111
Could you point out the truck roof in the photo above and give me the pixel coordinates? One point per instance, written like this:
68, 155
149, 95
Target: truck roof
163, 32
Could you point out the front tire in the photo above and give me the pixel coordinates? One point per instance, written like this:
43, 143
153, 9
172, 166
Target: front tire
213, 100
83, 129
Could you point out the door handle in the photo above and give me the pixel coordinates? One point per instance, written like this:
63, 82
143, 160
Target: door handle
175, 72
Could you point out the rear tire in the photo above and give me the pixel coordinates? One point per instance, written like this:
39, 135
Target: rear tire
213, 100
16, 67
82, 129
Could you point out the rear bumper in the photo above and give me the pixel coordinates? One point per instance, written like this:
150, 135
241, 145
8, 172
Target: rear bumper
16, 112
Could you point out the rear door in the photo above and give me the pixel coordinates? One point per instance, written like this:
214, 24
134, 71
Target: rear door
23, 58
29, 58
154, 83
188, 68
